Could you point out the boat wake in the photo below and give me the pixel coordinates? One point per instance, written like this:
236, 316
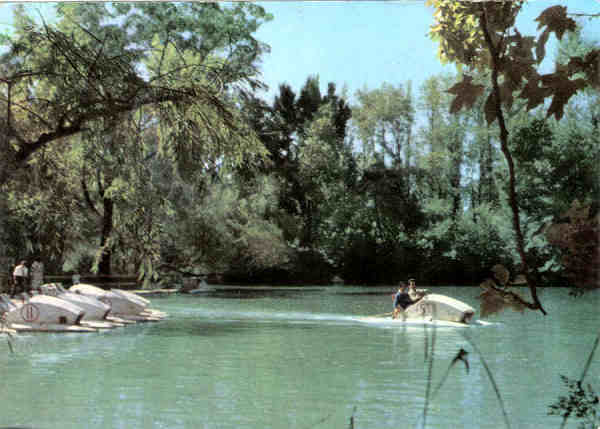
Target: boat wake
275, 317
267, 317
485, 323
388, 322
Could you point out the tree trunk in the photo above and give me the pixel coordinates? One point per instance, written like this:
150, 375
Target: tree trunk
456, 153
512, 193
104, 267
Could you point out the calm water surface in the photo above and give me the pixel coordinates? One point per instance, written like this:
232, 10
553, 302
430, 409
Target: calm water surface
297, 358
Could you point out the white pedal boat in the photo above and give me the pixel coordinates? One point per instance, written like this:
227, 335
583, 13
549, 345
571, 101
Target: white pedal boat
95, 312
440, 308
433, 309
124, 306
42, 313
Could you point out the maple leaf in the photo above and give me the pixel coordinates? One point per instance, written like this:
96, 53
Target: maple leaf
506, 97
562, 89
506, 93
494, 300
501, 273
466, 94
534, 94
491, 302
556, 19
512, 76
524, 44
520, 61
591, 67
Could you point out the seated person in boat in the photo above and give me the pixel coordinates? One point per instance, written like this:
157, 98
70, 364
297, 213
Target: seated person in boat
405, 297
414, 293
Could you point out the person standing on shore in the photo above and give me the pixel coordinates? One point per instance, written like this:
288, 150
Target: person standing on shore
20, 278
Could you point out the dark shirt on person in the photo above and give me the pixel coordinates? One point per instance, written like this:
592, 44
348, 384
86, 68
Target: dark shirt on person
403, 300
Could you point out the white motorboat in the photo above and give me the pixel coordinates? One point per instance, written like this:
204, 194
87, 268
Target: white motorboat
434, 309
42, 313
124, 305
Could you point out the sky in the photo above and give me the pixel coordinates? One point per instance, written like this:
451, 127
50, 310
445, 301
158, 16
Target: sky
366, 43
360, 44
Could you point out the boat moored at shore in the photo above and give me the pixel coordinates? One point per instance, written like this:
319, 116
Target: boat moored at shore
123, 305
84, 308
42, 313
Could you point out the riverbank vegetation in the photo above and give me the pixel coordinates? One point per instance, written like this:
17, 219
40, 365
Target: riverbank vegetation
135, 140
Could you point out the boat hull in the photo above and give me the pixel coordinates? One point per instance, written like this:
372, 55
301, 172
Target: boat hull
93, 308
440, 308
50, 327
119, 304
389, 322
46, 310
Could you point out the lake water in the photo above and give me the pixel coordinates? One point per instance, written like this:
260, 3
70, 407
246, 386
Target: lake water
296, 358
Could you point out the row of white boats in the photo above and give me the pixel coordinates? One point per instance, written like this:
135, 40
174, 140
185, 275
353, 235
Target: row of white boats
81, 308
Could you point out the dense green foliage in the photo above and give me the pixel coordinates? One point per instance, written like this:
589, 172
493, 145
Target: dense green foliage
184, 170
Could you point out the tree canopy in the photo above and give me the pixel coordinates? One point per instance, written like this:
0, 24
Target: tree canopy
137, 141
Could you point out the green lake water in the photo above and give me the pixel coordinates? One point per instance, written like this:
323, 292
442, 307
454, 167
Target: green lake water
297, 358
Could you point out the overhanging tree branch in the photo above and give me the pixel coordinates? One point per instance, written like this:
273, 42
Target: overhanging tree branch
512, 194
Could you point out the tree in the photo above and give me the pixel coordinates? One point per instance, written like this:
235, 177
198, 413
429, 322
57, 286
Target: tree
98, 65
92, 65
483, 36
445, 137
384, 118
294, 130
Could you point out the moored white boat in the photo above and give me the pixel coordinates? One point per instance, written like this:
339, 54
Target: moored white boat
124, 305
95, 311
42, 313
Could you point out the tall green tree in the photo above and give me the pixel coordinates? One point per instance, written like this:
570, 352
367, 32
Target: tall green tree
384, 119
294, 129
444, 138
484, 36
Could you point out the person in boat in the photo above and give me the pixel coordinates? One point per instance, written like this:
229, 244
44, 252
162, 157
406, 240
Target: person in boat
405, 297
414, 293
20, 278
